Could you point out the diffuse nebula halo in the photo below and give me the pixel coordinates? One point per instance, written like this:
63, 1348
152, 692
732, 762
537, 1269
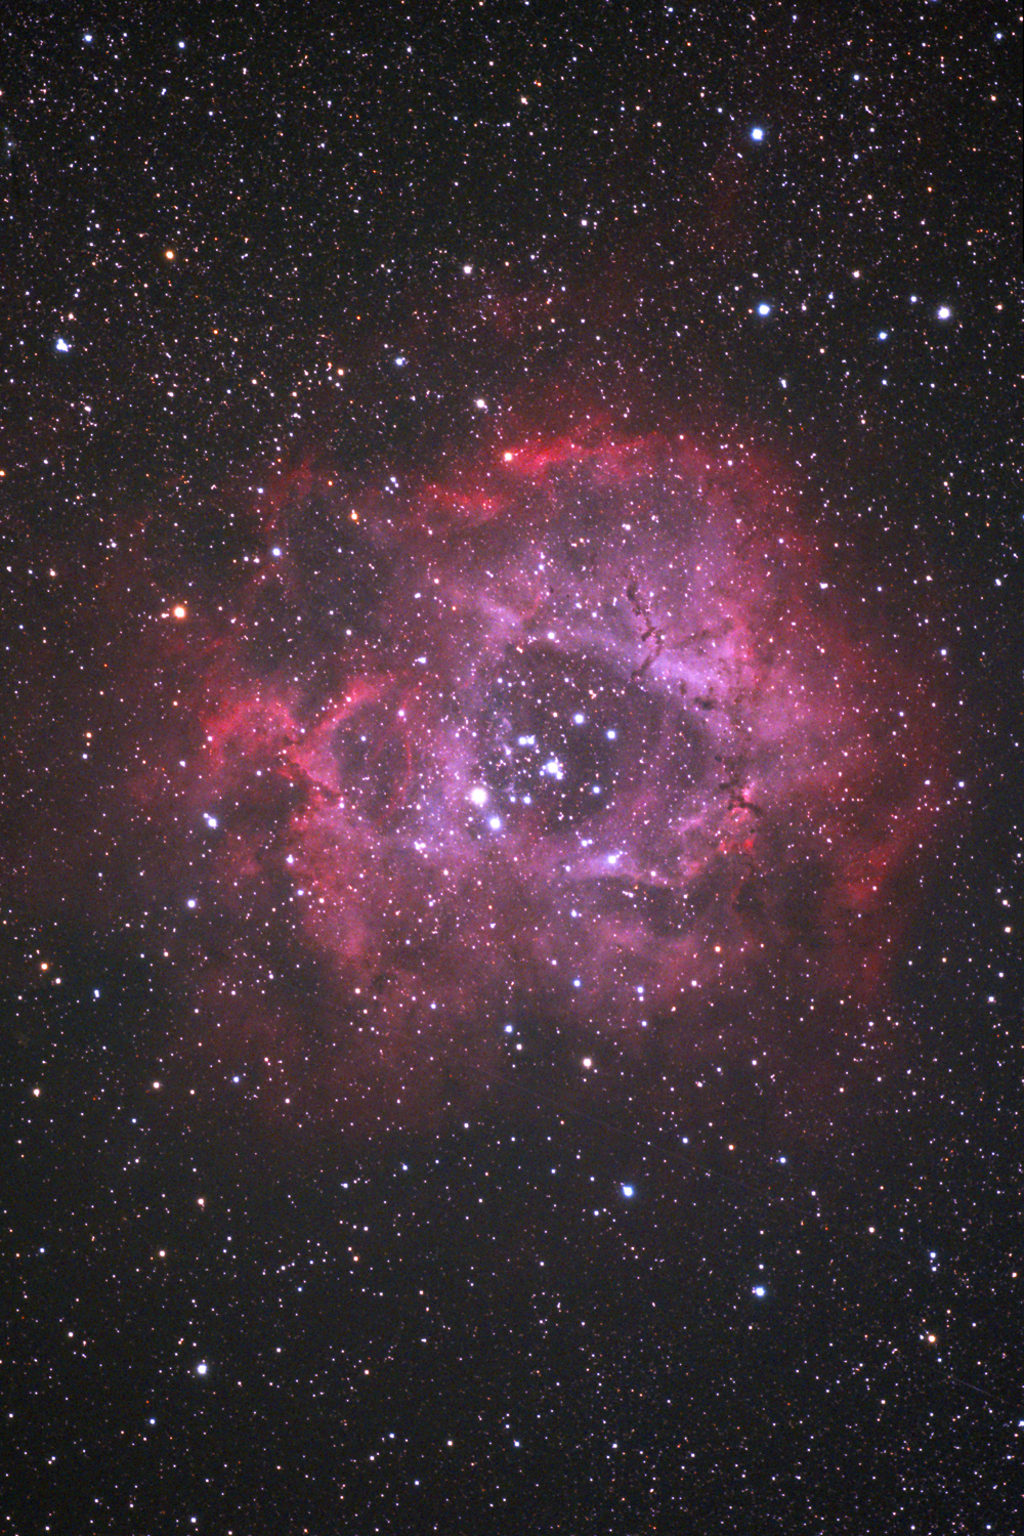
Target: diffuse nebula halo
585, 736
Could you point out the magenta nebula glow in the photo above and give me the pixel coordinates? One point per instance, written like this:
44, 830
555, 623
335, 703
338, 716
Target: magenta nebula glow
586, 735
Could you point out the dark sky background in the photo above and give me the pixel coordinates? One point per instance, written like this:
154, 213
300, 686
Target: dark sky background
300, 311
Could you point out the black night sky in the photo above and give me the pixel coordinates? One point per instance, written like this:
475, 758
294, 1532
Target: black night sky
510, 786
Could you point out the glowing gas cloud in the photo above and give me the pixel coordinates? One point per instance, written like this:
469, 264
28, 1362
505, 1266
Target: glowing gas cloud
587, 737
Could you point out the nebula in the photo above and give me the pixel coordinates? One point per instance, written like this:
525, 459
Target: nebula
587, 738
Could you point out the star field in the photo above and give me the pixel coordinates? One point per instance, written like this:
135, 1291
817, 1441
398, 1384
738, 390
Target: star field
511, 528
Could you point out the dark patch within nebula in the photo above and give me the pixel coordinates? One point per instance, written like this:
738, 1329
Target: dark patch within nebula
586, 744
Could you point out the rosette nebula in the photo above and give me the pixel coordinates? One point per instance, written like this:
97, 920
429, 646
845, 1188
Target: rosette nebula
589, 744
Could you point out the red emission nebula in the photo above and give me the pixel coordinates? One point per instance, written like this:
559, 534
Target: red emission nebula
587, 747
